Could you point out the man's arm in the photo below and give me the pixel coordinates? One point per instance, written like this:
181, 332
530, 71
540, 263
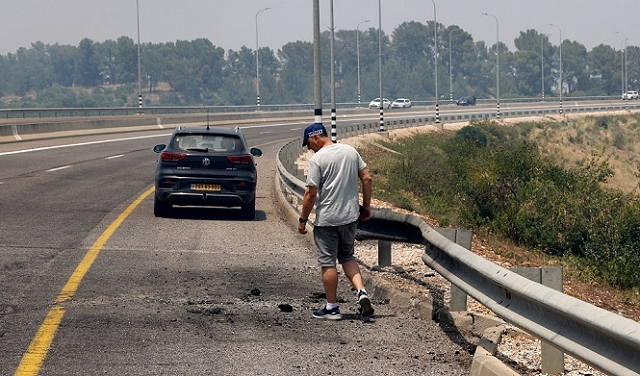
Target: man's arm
367, 183
308, 201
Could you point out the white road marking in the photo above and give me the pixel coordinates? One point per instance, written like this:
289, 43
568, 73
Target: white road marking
58, 168
115, 156
82, 144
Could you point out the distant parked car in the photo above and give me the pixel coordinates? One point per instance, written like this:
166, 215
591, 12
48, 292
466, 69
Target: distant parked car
466, 101
632, 94
376, 103
401, 103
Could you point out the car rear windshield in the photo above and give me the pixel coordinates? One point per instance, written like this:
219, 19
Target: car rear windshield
207, 141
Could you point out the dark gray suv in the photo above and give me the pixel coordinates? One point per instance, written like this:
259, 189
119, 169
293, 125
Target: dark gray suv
206, 166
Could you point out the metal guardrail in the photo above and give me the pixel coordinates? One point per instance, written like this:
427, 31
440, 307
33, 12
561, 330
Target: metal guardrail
39, 113
57, 120
604, 340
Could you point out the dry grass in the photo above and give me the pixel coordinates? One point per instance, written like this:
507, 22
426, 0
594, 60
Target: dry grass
582, 138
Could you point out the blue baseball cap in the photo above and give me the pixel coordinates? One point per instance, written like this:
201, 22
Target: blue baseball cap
312, 130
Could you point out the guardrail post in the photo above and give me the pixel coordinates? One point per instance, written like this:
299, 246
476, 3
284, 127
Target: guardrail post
384, 253
458, 301
552, 358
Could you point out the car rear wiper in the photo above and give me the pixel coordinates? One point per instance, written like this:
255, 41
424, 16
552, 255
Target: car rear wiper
203, 150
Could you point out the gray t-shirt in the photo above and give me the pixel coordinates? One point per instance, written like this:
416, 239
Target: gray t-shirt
334, 171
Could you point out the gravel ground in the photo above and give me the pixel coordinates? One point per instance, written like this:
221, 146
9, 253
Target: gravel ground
409, 273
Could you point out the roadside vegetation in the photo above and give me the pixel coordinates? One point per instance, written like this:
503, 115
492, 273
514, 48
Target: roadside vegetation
113, 73
565, 189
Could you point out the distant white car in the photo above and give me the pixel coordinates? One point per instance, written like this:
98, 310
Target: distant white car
401, 103
631, 94
376, 103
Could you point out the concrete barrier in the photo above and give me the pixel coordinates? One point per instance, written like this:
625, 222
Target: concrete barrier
18, 128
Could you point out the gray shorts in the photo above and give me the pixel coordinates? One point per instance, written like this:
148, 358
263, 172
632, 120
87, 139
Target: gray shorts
334, 243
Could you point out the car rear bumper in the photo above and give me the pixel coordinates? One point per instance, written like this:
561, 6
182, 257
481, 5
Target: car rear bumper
232, 192
206, 198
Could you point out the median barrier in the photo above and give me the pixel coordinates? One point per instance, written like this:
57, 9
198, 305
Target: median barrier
15, 129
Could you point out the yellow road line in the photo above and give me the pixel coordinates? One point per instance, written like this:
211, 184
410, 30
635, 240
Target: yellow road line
33, 359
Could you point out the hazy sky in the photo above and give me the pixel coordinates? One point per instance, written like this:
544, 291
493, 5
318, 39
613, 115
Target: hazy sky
232, 23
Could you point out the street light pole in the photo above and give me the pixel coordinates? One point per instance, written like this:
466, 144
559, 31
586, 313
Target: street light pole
561, 82
435, 59
382, 128
622, 69
358, 53
258, 61
623, 57
624, 62
542, 63
334, 127
139, 84
497, 64
317, 64
451, 67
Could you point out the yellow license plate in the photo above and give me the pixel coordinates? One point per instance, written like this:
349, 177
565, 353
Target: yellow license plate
205, 187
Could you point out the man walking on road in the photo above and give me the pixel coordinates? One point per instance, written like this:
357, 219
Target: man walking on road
332, 185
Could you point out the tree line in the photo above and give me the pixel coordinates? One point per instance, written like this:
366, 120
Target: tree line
95, 74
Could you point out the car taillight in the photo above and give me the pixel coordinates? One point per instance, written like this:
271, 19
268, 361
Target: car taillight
167, 156
166, 182
240, 159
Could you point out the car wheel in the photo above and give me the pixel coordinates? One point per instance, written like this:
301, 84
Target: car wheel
248, 211
160, 208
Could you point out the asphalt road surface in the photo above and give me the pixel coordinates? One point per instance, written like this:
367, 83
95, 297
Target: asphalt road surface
94, 284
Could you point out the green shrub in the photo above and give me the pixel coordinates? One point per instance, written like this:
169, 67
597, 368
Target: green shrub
489, 177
